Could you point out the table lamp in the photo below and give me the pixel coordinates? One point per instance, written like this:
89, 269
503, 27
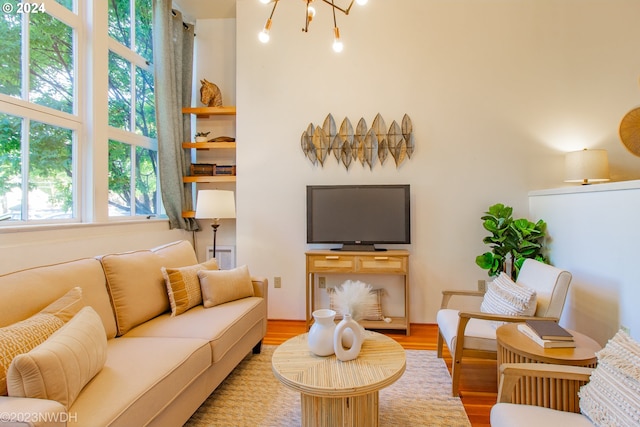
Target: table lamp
586, 166
215, 205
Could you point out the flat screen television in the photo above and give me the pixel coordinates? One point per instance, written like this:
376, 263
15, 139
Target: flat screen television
358, 216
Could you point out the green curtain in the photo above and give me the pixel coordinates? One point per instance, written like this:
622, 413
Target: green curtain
173, 68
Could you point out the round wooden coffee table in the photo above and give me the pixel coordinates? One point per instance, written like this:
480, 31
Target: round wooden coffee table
515, 347
335, 393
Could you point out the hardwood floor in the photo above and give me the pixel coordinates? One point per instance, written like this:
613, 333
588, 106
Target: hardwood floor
478, 385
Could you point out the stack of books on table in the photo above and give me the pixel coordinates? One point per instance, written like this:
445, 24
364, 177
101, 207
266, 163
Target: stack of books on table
547, 333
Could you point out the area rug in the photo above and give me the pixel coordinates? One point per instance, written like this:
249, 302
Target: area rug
252, 397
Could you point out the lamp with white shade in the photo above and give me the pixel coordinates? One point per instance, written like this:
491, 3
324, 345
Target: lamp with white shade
215, 205
587, 166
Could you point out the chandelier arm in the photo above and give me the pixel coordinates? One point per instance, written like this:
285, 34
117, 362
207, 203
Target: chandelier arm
275, 3
306, 17
334, 6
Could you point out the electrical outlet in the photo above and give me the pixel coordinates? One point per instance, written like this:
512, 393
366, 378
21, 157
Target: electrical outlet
277, 282
322, 282
626, 329
482, 285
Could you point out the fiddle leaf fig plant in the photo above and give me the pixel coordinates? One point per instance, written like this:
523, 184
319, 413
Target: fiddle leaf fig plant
511, 240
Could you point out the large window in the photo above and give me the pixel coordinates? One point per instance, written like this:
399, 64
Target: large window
133, 177
38, 133
49, 133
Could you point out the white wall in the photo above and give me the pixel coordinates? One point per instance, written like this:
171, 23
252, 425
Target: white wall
594, 235
48, 245
497, 91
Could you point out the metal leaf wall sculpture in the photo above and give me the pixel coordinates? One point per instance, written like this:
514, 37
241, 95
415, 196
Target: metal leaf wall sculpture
366, 145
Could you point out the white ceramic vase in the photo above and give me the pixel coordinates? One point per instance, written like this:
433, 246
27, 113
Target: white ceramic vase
348, 330
320, 337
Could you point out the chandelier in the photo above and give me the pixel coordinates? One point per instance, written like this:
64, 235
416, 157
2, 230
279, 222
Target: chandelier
263, 36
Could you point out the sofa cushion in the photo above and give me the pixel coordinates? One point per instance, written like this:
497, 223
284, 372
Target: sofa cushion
36, 287
611, 395
222, 326
136, 286
504, 296
220, 286
61, 366
140, 378
176, 254
183, 285
25, 335
512, 415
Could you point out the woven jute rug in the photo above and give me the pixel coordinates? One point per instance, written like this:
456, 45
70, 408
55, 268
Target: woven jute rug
251, 396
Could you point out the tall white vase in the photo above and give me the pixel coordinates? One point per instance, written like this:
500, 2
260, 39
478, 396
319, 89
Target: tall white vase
345, 327
321, 333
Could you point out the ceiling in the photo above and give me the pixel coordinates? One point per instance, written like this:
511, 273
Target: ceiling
206, 9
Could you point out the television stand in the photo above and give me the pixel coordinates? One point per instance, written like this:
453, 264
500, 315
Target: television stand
359, 248
391, 262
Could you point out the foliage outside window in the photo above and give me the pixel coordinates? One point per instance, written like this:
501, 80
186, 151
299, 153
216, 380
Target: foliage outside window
38, 164
133, 177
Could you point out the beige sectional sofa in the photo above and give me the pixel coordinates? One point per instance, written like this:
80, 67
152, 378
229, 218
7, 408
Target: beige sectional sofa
159, 368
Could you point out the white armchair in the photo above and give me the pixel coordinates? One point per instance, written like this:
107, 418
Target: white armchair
473, 334
507, 414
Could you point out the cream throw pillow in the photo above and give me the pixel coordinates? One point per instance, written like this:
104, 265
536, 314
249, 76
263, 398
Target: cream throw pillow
610, 398
504, 296
220, 286
183, 285
23, 336
59, 368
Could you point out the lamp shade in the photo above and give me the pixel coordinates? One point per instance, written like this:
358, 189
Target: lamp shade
587, 166
215, 204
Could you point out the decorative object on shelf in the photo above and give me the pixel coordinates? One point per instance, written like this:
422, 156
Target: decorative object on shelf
351, 299
363, 144
215, 205
630, 131
224, 170
321, 333
264, 35
210, 94
586, 166
201, 169
512, 241
222, 139
201, 136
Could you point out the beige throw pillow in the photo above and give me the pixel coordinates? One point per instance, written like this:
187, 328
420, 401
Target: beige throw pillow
23, 336
59, 368
610, 398
183, 285
220, 286
504, 296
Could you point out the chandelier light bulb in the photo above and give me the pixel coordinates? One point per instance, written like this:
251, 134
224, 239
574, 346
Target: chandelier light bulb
362, 2
337, 43
263, 36
311, 12
265, 1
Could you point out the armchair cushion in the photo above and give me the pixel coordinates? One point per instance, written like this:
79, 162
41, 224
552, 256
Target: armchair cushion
513, 414
611, 395
480, 334
504, 296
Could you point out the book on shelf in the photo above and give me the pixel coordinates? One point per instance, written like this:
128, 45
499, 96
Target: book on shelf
529, 333
549, 330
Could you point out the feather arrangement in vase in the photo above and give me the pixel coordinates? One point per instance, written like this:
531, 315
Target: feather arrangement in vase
353, 297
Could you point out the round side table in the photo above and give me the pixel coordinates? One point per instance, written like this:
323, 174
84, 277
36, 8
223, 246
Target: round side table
335, 393
515, 347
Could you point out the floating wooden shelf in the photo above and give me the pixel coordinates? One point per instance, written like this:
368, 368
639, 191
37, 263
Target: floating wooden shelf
217, 178
208, 145
188, 214
210, 111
